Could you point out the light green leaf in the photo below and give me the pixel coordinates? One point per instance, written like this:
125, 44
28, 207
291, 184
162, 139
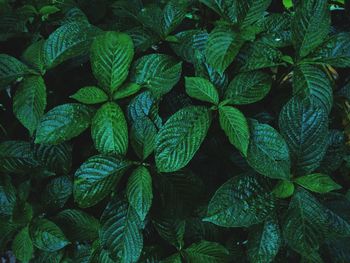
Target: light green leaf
111, 56
201, 89
22, 245
29, 102
268, 152
68, 41
222, 47
242, 201
206, 252
284, 189
310, 25
235, 126
126, 91
288, 3
248, 87
264, 241
180, 138
47, 236
311, 81
120, 231
35, 57
139, 191
319, 183
157, 72
90, 95
304, 125
57, 192
109, 129
96, 178
63, 123
10, 70
250, 11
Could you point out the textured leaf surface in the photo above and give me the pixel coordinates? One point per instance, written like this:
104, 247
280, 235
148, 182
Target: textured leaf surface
109, 129
304, 127
248, 87
268, 152
139, 191
22, 245
90, 95
206, 252
7, 198
201, 89
120, 231
63, 123
57, 192
284, 189
226, 9
126, 91
242, 201
319, 183
250, 11
35, 57
29, 102
173, 14
235, 126
95, 178
111, 56
158, 72
10, 70
47, 236
171, 229
180, 138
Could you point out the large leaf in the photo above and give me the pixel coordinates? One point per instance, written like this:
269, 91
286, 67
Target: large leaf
250, 11
242, 201
111, 56
120, 231
157, 72
173, 14
90, 95
235, 126
264, 241
206, 252
10, 70
29, 102
319, 183
248, 87
96, 178
310, 25
201, 89
70, 40
47, 236
311, 81
180, 138
268, 152
222, 47
63, 123
304, 125
22, 245
335, 51
109, 129
35, 57
139, 191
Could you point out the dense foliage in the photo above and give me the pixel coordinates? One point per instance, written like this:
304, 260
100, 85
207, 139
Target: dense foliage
200, 131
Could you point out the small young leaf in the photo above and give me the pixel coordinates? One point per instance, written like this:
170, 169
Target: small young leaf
90, 95
319, 183
22, 246
284, 189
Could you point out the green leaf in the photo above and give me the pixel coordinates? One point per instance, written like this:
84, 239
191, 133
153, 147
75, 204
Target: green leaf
264, 241
201, 89
248, 87
250, 11
242, 201
171, 229
310, 81
90, 95
173, 14
235, 126
319, 183
34, 56
180, 138
109, 129
120, 231
143, 137
139, 191
10, 70
227, 9
111, 56
22, 245
206, 252
304, 125
335, 51
57, 192
68, 41
16, 156
96, 178
157, 72
49, 257
284, 189
268, 152
310, 25
47, 236
175, 258
7, 197
29, 102
222, 47
288, 3
126, 91
63, 123
78, 225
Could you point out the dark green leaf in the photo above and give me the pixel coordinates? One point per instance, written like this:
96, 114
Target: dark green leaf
206, 252
171, 229
143, 137
57, 192
10, 70
250, 11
